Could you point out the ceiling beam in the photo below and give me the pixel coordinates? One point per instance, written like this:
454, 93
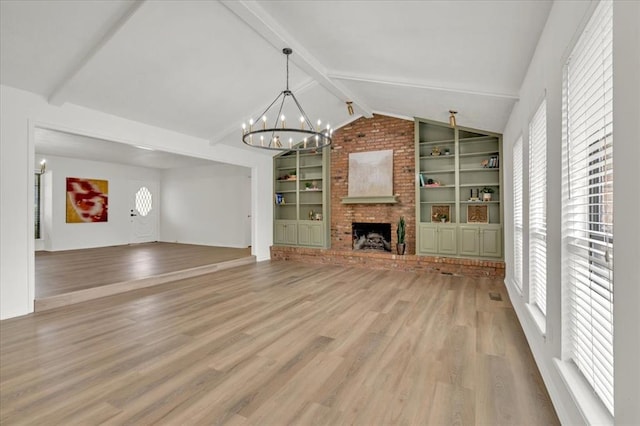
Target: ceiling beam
423, 85
60, 93
268, 28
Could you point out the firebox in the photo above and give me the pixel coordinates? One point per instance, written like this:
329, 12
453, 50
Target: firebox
371, 236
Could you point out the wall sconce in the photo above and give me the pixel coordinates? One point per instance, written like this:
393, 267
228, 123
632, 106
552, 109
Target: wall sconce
452, 118
43, 166
350, 107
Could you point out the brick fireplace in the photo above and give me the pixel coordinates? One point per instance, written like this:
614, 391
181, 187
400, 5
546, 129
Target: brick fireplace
373, 134
377, 134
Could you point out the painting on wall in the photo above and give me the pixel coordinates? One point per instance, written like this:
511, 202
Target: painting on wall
87, 200
371, 173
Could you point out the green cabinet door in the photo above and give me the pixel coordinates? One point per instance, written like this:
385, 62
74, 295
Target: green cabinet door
310, 234
469, 240
285, 232
447, 239
490, 242
428, 239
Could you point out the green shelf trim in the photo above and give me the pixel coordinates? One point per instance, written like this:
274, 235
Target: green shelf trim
391, 199
444, 141
311, 204
430, 172
437, 202
477, 154
437, 157
481, 169
438, 187
314, 166
480, 202
478, 184
286, 191
479, 139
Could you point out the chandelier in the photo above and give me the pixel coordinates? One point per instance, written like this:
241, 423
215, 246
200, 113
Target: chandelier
277, 136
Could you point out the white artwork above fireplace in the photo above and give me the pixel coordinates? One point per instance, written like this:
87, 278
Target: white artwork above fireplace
371, 174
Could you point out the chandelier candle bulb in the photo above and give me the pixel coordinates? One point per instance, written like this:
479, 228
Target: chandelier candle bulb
264, 122
290, 142
244, 129
301, 123
251, 125
283, 122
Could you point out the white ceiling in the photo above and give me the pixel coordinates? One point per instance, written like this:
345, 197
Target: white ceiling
204, 67
62, 144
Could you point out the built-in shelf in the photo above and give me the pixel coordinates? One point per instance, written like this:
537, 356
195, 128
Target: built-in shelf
391, 199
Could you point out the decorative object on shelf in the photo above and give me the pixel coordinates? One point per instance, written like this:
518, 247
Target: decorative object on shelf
486, 193
447, 152
491, 163
452, 118
318, 216
474, 197
311, 215
435, 151
279, 137
279, 199
478, 213
439, 212
402, 246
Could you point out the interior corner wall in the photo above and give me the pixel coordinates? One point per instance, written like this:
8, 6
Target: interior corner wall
544, 80
206, 205
21, 111
59, 235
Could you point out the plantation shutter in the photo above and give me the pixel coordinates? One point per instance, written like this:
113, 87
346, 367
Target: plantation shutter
538, 208
588, 203
517, 212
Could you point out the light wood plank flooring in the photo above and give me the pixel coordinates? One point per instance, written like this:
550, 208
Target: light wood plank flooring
277, 343
64, 272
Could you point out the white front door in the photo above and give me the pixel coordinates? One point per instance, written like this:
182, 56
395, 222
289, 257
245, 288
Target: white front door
143, 212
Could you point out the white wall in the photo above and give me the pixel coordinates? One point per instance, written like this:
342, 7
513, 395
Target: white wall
21, 111
544, 78
59, 235
205, 205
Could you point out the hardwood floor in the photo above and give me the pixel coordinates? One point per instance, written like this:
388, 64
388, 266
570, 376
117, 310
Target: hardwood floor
64, 272
277, 343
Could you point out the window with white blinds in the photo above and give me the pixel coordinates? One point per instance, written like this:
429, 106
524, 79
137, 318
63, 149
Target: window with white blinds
587, 227
517, 213
538, 209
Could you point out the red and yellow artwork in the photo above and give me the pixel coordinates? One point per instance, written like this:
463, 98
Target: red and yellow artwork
87, 200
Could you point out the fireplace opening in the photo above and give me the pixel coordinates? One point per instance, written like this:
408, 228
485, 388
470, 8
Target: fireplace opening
371, 236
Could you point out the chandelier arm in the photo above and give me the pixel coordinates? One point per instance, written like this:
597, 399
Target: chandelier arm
304, 114
269, 107
275, 125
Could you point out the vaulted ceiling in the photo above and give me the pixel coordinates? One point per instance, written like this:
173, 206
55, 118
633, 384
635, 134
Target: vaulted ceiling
203, 67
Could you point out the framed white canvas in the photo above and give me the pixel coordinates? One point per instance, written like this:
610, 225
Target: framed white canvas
371, 173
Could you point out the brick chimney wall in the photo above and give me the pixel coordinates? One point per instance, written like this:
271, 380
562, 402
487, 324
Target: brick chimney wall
374, 134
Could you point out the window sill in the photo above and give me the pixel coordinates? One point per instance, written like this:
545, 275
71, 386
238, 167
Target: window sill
592, 409
538, 318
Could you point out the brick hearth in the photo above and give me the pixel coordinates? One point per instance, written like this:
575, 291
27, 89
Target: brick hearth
385, 261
